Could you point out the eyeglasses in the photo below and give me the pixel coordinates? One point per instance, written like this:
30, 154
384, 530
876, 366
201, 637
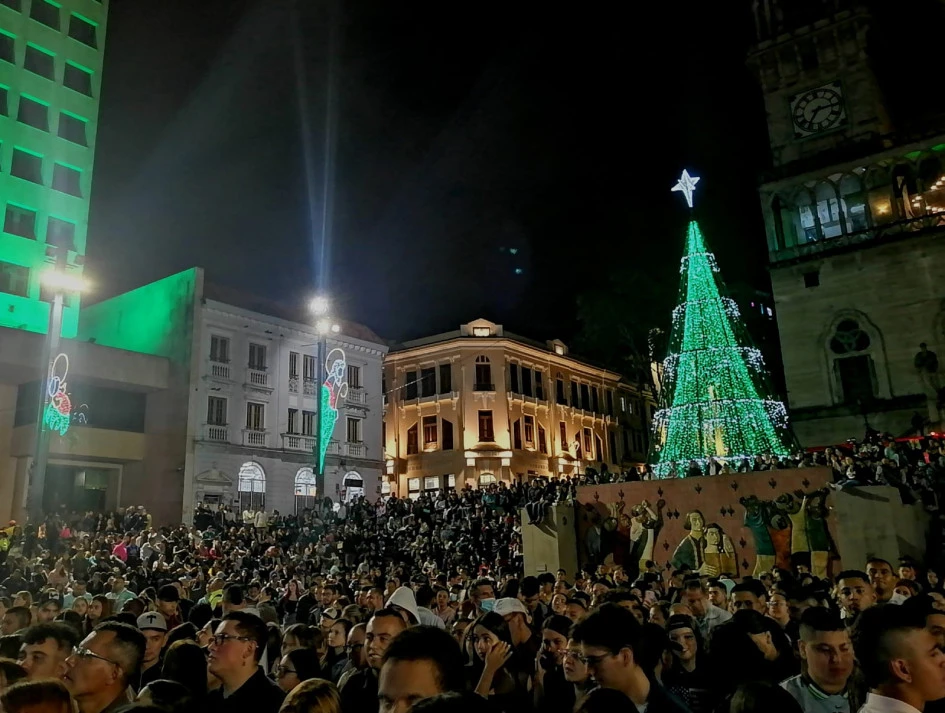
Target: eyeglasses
283, 671
84, 654
220, 639
588, 660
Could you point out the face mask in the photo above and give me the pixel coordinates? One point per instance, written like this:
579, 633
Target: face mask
487, 604
897, 598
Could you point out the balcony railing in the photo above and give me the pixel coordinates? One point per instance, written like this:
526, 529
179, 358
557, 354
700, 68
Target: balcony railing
293, 384
356, 396
256, 439
878, 232
216, 433
296, 442
308, 387
356, 450
257, 377
219, 370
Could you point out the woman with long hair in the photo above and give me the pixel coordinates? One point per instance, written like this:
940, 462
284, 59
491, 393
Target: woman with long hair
335, 657
290, 601
80, 605
687, 676
100, 608
488, 676
297, 666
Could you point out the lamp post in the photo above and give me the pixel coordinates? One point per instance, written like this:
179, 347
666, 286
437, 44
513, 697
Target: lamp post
320, 307
61, 283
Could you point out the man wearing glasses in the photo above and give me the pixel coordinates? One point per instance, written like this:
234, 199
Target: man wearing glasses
610, 640
98, 671
235, 651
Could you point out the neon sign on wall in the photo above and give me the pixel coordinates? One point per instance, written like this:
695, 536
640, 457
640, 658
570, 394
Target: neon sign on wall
57, 416
334, 390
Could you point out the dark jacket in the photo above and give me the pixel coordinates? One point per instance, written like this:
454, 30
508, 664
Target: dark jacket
359, 694
258, 694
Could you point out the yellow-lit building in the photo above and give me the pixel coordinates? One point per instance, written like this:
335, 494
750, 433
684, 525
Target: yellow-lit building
481, 405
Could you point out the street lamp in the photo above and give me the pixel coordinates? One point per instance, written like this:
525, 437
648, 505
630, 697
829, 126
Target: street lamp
61, 283
320, 307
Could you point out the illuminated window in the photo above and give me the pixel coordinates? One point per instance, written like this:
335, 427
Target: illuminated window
20, 221
485, 426
27, 166
431, 482
481, 331
67, 180
451, 481
413, 488
413, 444
33, 113
40, 62
429, 431
46, 13
559, 350
72, 128
78, 79
486, 479
81, 30
14, 279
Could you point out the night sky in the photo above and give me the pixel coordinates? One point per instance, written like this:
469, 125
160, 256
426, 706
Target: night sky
494, 159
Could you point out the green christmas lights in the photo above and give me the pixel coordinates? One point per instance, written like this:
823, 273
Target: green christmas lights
715, 400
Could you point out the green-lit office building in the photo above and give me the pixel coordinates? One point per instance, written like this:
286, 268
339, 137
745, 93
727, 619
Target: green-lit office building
50, 81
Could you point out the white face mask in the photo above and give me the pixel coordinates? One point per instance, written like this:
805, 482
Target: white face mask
897, 598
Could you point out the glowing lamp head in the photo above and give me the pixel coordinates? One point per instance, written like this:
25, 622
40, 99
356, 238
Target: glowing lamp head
65, 281
323, 326
335, 328
320, 305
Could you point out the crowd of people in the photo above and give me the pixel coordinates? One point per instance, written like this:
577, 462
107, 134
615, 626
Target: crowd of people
400, 604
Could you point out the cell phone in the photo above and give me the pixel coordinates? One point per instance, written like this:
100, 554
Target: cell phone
650, 596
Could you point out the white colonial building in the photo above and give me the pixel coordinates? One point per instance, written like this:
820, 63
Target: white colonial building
254, 408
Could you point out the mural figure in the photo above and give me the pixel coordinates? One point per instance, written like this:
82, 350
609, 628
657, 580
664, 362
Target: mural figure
719, 552
756, 520
817, 533
690, 552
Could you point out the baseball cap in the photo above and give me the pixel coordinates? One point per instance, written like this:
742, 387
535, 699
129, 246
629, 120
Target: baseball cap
152, 620
509, 605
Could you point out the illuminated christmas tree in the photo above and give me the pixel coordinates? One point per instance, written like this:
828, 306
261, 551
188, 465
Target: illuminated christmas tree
715, 400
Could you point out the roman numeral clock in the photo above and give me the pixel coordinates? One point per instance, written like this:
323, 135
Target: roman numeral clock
818, 110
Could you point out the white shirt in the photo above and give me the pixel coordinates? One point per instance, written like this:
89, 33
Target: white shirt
876, 703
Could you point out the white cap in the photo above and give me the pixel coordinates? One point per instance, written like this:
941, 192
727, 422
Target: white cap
509, 605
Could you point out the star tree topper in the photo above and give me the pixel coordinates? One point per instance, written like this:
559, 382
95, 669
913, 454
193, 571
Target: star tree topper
687, 185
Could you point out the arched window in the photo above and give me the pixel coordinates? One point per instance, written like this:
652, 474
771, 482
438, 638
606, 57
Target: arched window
850, 348
805, 217
853, 199
483, 374
252, 485
828, 210
879, 187
306, 494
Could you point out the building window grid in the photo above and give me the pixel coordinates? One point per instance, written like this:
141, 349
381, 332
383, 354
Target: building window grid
257, 356
486, 432
413, 446
73, 129
292, 425
354, 377
308, 367
529, 423
60, 233
33, 113
67, 179
308, 423
27, 166
45, 13
293, 365
8, 47
83, 31
13, 4
446, 378
76, 78
39, 61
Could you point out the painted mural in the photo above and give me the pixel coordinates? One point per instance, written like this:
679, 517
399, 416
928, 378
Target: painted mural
735, 524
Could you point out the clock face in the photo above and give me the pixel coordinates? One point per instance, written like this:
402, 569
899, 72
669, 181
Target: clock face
818, 110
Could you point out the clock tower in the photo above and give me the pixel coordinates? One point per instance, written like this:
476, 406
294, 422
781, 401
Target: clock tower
819, 88
854, 210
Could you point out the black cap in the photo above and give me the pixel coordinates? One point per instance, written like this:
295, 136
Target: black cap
169, 593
